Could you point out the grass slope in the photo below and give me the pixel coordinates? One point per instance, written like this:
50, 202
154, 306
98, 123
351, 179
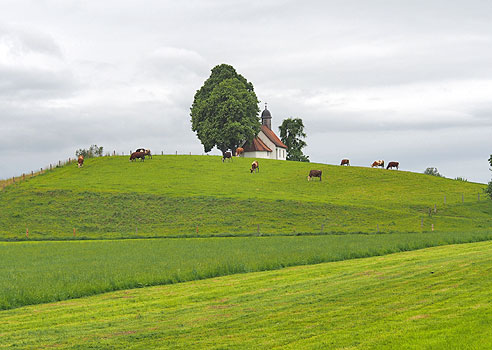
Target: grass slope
178, 195
436, 298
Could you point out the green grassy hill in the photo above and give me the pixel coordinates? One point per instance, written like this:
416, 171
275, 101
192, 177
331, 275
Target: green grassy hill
436, 298
180, 195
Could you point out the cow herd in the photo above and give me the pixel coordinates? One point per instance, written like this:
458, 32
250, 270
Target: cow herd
380, 163
141, 153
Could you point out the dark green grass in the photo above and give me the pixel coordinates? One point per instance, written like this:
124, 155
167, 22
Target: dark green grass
39, 272
437, 298
174, 195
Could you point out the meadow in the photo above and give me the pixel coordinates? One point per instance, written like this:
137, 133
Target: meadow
120, 229
188, 196
40, 272
435, 298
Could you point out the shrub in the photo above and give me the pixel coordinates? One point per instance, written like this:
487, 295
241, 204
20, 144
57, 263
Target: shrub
432, 171
459, 178
93, 151
488, 190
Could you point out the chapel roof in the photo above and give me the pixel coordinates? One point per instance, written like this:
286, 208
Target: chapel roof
272, 137
256, 145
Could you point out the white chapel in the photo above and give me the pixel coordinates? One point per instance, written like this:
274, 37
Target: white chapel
266, 144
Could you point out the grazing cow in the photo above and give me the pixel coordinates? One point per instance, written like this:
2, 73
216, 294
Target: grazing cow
226, 155
345, 162
239, 151
314, 173
136, 155
80, 161
378, 163
393, 165
146, 152
254, 167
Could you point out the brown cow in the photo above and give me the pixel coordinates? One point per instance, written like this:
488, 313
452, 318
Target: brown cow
239, 151
145, 151
393, 165
314, 173
136, 155
226, 155
254, 167
378, 163
345, 162
80, 161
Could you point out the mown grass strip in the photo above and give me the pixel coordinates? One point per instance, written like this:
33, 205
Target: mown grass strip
40, 272
437, 298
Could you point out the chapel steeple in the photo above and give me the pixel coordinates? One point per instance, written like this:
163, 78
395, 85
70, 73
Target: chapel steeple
266, 118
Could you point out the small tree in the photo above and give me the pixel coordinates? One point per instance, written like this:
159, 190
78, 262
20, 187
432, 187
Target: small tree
93, 151
291, 132
432, 171
488, 190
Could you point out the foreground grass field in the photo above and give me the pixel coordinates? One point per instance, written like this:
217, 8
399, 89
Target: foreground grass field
199, 195
436, 298
40, 272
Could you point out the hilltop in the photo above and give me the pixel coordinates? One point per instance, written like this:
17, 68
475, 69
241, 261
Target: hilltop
111, 197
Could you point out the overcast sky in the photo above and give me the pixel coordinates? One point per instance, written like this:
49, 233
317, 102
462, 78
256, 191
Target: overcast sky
407, 81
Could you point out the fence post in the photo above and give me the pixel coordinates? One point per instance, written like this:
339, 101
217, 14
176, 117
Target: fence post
176, 152
478, 197
435, 208
27, 231
258, 228
13, 179
162, 153
24, 177
462, 198
432, 227
74, 231
322, 227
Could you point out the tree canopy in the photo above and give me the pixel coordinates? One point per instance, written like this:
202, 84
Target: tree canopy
291, 132
225, 110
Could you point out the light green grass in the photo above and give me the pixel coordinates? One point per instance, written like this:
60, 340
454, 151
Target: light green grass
436, 298
39, 272
176, 195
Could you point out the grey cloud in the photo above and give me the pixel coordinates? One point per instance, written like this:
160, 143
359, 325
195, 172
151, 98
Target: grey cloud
35, 83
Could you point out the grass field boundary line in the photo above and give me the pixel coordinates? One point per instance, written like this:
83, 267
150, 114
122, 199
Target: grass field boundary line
205, 236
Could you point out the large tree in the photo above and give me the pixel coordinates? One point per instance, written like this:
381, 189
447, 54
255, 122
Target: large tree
224, 113
291, 132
